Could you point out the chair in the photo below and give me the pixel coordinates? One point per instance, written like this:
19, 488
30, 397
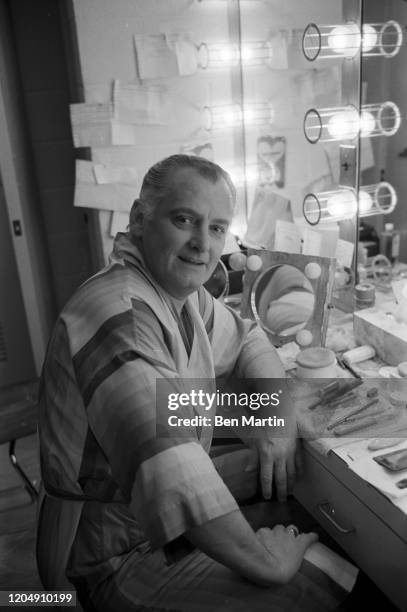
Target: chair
18, 418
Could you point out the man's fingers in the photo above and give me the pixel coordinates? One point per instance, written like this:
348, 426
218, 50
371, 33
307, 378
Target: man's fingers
298, 460
291, 472
266, 475
307, 539
280, 477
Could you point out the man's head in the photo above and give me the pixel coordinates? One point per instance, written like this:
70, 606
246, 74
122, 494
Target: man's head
181, 219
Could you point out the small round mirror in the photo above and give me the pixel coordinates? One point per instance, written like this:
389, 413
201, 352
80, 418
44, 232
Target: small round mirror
282, 300
218, 283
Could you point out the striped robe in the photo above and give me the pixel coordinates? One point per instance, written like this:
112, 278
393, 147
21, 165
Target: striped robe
120, 488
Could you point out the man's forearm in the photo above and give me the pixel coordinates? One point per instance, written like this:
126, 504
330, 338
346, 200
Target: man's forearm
231, 541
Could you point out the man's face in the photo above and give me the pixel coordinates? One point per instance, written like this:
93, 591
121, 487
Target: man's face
184, 238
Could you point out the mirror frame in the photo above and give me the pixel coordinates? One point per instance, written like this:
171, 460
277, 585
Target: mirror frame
322, 287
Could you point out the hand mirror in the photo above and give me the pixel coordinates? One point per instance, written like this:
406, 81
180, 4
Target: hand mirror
289, 294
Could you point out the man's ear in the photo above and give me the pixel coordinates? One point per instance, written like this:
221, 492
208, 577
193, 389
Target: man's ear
137, 218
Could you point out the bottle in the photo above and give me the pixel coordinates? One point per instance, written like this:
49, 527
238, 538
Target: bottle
390, 242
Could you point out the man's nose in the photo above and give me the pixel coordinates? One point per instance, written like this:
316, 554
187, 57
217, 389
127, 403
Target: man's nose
200, 238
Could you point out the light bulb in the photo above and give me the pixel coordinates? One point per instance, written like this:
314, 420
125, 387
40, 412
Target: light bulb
251, 174
367, 123
246, 53
365, 202
345, 39
369, 38
342, 205
344, 124
228, 54
248, 115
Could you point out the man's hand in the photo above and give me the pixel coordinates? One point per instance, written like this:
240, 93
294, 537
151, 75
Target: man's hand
279, 458
286, 548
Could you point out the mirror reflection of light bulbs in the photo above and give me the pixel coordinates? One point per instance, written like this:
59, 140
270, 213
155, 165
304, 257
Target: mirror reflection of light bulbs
345, 39
365, 202
342, 205
227, 54
344, 124
246, 53
367, 123
369, 38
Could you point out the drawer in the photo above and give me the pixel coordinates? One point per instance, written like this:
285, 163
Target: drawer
373, 545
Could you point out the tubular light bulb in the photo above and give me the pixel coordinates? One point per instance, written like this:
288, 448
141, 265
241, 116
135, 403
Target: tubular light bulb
345, 39
226, 55
365, 202
342, 205
369, 38
344, 125
367, 123
246, 53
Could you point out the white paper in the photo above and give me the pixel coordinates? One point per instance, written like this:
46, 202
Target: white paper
366, 154
118, 223
287, 237
140, 105
105, 197
278, 51
231, 245
126, 175
399, 288
91, 113
154, 58
185, 51
344, 253
312, 240
332, 564
102, 134
84, 171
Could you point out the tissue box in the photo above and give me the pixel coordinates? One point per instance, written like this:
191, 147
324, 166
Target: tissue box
377, 327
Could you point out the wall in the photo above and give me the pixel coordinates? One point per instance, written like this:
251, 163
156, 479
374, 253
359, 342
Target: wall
44, 81
396, 166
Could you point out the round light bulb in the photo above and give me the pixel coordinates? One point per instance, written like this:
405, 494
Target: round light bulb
342, 205
365, 202
254, 263
369, 38
367, 123
303, 337
237, 261
345, 39
312, 270
344, 125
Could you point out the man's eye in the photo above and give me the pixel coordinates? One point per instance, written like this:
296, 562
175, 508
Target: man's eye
218, 229
183, 220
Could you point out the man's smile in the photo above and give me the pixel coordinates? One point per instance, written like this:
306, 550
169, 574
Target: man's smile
191, 260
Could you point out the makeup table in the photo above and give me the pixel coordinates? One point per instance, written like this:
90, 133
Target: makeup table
369, 527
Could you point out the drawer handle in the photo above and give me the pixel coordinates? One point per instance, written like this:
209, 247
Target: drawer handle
328, 511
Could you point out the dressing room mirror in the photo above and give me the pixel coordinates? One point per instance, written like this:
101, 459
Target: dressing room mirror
289, 295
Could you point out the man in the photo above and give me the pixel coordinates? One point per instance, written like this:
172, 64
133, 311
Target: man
121, 498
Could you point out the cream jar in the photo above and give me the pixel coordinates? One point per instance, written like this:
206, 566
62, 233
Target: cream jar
316, 362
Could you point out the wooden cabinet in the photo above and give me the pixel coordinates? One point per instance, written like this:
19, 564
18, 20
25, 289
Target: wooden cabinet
362, 521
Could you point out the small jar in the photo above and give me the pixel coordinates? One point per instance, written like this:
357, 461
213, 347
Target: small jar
365, 295
316, 362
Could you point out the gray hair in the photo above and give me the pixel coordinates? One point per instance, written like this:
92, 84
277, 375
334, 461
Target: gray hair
157, 180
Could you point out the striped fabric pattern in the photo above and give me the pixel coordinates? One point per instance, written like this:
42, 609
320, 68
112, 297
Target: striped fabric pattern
112, 342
